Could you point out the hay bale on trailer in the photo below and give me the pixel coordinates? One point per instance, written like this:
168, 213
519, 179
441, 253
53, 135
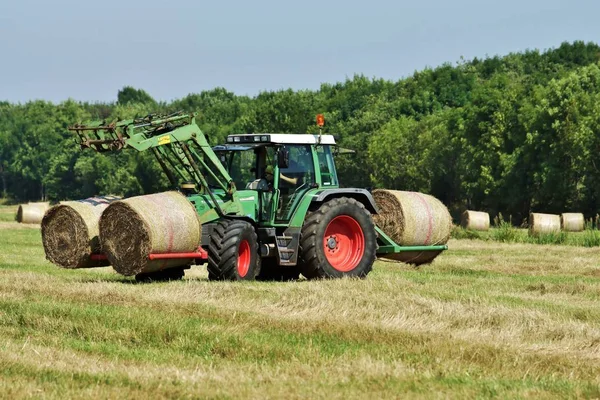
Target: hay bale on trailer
572, 222
70, 232
132, 229
412, 219
475, 220
540, 223
32, 213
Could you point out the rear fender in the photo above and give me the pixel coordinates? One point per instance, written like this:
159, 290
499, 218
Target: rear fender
361, 195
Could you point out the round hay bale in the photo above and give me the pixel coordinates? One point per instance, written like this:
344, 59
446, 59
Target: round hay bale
475, 220
32, 213
543, 223
132, 229
70, 232
572, 222
412, 219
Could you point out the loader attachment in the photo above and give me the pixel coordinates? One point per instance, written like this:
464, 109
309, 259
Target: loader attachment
102, 136
175, 140
199, 255
388, 246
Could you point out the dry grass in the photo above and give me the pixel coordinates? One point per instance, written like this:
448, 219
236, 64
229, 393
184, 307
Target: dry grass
485, 320
8, 213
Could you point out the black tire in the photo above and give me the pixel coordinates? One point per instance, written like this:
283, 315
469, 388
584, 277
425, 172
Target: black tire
171, 274
233, 252
270, 271
352, 255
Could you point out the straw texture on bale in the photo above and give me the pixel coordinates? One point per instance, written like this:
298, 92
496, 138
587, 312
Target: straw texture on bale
475, 220
543, 223
32, 213
132, 229
412, 219
70, 232
572, 222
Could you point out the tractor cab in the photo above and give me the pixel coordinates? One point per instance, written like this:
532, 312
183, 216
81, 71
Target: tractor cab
281, 167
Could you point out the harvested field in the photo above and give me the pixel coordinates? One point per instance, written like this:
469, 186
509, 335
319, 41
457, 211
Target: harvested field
8, 213
16, 225
485, 320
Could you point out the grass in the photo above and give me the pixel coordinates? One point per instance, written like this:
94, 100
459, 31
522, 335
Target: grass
507, 233
486, 320
8, 213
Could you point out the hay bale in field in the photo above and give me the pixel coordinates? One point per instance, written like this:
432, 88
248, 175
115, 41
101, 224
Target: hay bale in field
475, 220
132, 229
412, 219
572, 222
32, 213
540, 223
70, 232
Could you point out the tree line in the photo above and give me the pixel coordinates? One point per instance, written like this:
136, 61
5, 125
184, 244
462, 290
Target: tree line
510, 134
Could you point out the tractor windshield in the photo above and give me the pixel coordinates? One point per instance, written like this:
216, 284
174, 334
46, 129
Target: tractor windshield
245, 163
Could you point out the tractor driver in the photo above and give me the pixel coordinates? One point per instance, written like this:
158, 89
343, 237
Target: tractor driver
268, 176
265, 183
291, 181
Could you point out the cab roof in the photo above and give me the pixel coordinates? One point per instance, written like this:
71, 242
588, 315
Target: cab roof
281, 138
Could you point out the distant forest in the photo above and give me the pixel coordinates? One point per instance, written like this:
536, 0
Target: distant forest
509, 134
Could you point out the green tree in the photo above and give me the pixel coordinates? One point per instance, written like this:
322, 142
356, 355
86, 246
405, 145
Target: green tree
130, 95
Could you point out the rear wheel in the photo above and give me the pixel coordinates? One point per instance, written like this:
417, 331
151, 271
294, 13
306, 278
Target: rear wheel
338, 240
233, 252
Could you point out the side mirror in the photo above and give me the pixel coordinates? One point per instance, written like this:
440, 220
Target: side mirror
283, 158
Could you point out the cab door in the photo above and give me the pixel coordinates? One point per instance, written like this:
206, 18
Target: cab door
293, 181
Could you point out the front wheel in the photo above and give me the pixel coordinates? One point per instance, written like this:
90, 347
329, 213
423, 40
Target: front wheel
338, 240
233, 252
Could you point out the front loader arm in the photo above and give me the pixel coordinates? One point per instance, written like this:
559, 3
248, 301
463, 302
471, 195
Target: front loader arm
175, 140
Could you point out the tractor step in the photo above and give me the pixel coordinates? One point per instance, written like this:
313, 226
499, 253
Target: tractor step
287, 249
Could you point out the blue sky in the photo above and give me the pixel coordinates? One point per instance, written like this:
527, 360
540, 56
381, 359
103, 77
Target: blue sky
55, 50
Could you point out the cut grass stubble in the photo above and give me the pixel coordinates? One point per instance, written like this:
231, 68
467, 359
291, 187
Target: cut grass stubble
486, 319
507, 233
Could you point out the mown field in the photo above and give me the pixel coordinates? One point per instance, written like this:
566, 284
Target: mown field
7, 213
486, 320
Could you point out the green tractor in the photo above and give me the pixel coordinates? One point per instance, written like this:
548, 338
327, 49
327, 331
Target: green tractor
271, 205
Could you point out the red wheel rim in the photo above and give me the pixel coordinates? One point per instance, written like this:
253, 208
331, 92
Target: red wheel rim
344, 243
244, 255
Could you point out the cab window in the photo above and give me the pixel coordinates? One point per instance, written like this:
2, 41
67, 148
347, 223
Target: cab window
301, 169
242, 167
326, 166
